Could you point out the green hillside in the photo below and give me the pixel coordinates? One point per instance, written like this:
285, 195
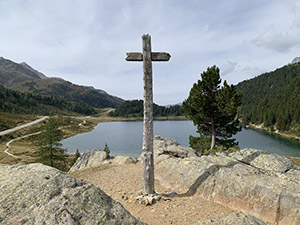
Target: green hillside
70, 92
26, 103
135, 108
21, 77
273, 99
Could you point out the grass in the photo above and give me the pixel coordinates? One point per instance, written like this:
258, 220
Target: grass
10, 120
26, 148
91, 169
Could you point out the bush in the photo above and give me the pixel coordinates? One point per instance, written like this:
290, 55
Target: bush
202, 146
224, 149
199, 144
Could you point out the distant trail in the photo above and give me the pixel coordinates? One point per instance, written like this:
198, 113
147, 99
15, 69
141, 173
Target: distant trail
22, 126
18, 138
18, 128
25, 136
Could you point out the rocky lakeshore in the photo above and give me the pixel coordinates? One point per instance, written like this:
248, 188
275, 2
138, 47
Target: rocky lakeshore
262, 184
245, 187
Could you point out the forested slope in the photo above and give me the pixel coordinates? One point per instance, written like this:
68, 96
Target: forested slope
273, 99
135, 108
21, 77
26, 103
70, 92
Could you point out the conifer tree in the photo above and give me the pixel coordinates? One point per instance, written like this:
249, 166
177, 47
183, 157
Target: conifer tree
213, 108
51, 152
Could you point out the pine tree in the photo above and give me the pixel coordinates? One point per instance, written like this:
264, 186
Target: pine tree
213, 108
106, 149
50, 151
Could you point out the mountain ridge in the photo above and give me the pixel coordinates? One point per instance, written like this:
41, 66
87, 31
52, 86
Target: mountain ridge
22, 77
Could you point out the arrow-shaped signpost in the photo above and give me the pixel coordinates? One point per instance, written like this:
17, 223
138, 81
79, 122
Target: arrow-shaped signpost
147, 153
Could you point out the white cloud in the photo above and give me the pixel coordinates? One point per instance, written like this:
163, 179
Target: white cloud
85, 41
279, 41
228, 67
296, 12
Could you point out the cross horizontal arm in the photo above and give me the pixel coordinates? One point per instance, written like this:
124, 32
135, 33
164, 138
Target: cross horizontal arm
155, 56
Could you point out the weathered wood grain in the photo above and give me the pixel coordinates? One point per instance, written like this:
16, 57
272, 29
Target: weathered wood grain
155, 56
147, 152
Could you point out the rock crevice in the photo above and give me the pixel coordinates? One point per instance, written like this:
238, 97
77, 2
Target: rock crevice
259, 183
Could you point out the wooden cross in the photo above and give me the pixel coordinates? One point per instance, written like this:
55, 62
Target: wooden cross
147, 153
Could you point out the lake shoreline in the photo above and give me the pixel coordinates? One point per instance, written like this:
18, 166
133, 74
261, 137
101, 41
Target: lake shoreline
276, 132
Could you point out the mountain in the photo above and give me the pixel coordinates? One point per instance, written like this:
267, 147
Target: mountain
295, 60
26, 103
21, 77
11, 72
273, 99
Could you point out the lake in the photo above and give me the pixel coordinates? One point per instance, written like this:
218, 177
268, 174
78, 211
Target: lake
125, 138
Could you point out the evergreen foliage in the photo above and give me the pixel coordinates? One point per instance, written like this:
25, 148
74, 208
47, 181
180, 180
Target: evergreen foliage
16, 102
77, 155
273, 99
51, 152
106, 149
68, 91
135, 108
213, 109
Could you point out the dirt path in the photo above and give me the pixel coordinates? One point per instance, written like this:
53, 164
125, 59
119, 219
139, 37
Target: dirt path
22, 126
122, 182
16, 139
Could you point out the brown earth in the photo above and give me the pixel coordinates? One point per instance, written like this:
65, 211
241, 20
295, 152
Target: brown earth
122, 182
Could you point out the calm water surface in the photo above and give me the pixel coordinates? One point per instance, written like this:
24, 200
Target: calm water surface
125, 138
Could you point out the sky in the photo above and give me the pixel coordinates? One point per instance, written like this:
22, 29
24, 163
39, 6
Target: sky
86, 41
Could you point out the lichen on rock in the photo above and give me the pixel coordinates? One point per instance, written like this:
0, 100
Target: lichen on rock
38, 194
90, 158
234, 219
263, 184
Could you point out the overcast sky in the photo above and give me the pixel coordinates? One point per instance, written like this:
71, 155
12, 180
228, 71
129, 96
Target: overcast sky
85, 41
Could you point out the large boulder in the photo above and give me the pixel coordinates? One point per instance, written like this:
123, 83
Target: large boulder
263, 184
234, 219
169, 146
90, 158
38, 194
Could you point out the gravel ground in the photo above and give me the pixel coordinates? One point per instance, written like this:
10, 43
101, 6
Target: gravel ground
122, 182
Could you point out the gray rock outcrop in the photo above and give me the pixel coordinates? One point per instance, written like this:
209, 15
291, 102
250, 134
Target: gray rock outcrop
90, 158
262, 184
234, 219
169, 146
121, 159
38, 194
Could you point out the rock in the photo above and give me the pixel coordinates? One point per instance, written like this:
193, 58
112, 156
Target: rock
295, 60
121, 160
38, 194
234, 219
263, 160
168, 146
263, 184
90, 158
149, 199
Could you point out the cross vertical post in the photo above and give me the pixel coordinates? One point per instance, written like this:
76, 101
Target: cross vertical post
147, 153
